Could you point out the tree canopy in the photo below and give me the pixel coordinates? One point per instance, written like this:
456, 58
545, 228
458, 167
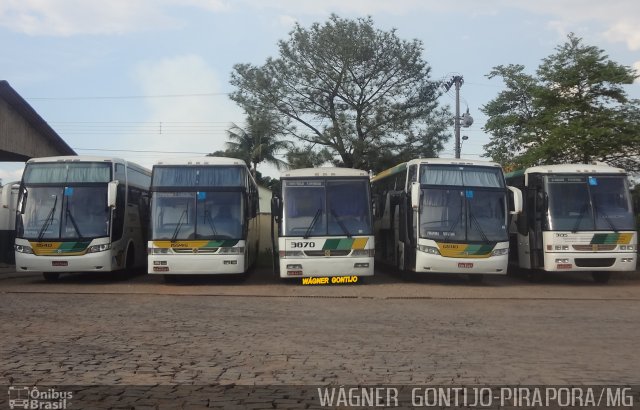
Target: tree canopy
350, 90
573, 110
258, 142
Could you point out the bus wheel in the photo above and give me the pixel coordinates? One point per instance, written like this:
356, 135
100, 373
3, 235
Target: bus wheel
475, 278
131, 258
51, 276
601, 277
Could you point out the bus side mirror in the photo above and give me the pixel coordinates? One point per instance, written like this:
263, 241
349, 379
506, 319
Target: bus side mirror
276, 208
23, 201
515, 200
415, 195
112, 193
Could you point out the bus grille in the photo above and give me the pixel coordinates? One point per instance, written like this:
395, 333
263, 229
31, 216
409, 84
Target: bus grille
594, 262
594, 247
195, 250
328, 252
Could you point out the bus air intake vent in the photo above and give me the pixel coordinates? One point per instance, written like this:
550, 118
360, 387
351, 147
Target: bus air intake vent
594, 262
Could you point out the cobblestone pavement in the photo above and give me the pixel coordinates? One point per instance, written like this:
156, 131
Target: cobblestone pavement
95, 330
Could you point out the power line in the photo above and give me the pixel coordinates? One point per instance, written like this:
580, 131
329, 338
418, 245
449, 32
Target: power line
125, 97
140, 151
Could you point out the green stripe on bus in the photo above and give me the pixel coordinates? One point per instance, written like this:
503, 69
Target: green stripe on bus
225, 243
605, 238
337, 244
73, 246
479, 249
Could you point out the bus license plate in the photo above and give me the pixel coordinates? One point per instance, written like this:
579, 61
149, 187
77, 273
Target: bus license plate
465, 265
59, 263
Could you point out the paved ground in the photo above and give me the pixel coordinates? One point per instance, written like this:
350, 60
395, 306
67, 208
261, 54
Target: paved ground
137, 330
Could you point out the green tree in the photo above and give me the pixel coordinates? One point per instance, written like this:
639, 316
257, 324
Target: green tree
574, 110
307, 157
349, 88
258, 142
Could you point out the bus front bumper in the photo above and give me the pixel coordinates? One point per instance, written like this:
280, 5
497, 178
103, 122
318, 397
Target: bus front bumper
589, 262
429, 263
90, 262
326, 267
195, 264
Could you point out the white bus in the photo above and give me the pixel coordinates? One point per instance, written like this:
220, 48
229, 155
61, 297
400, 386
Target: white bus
325, 229
203, 217
8, 204
576, 217
444, 216
81, 214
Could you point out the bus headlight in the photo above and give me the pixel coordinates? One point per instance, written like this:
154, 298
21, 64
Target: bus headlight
291, 254
429, 249
158, 251
627, 247
23, 249
500, 252
99, 248
364, 252
231, 251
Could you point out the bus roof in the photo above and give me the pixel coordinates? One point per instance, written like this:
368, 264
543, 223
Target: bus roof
454, 161
75, 158
568, 169
88, 158
439, 161
200, 161
324, 172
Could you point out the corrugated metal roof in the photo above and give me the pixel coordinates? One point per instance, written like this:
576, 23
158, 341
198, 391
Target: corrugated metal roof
33, 118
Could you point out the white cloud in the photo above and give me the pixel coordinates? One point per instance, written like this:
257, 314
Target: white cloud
617, 21
627, 32
190, 123
11, 172
287, 21
72, 17
636, 66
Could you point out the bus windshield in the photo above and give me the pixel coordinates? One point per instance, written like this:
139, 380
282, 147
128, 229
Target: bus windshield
456, 214
317, 207
67, 172
463, 203
70, 212
588, 203
197, 215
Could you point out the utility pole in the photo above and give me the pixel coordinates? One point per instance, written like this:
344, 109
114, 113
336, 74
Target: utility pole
458, 81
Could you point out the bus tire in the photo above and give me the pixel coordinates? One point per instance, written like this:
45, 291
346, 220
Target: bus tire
51, 276
601, 277
131, 258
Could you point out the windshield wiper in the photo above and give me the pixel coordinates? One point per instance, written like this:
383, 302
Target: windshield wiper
175, 233
67, 213
344, 228
605, 216
313, 222
583, 211
455, 224
472, 217
207, 217
49, 219
73, 222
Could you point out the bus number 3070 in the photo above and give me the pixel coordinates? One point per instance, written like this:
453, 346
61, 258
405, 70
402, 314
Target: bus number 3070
303, 244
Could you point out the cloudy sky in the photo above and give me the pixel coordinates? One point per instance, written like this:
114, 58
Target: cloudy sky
124, 77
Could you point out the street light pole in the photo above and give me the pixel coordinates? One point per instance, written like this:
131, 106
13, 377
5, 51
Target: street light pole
457, 80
